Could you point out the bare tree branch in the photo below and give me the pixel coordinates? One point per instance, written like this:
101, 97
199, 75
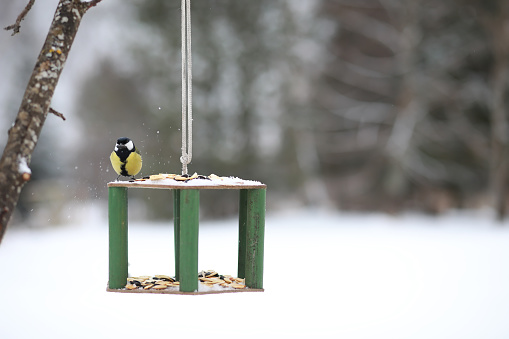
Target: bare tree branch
58, 114
93, 3
16, 26
34, 108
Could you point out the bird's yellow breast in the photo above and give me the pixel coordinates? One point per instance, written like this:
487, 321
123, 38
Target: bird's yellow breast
115, 162
131, 166
133, 163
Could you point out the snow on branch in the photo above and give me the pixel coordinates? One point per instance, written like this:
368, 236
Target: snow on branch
23, 168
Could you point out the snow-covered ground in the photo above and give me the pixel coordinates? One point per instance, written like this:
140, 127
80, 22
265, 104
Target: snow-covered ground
327, 275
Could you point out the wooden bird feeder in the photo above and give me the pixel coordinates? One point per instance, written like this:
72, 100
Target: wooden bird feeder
186, 194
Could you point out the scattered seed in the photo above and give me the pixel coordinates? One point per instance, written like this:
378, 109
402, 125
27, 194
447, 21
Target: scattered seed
156, 177
237, 286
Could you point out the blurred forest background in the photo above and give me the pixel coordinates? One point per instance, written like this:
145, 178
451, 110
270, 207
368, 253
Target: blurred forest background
367, 105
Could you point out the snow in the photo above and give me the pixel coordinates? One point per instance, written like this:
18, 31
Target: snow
23, 166
197, 182
327, 275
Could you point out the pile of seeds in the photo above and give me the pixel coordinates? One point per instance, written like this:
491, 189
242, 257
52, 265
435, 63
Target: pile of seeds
208, 278
157, 282
211, 278
178, 177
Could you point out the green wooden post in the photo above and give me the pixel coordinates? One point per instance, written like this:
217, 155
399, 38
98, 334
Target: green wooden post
241, 266
117, 214
176, 231
189, 201
255, 233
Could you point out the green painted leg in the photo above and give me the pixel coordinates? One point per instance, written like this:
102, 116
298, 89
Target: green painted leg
188, 209
241, 268
117, 214
254, 229
176, 231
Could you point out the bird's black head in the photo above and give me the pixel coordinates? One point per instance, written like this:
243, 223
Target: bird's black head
124, 147
123, 141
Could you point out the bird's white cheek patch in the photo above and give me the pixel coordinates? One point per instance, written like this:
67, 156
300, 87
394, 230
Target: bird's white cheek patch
116, 148
130, 145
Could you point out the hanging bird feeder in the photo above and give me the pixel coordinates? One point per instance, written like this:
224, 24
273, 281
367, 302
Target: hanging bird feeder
186, 192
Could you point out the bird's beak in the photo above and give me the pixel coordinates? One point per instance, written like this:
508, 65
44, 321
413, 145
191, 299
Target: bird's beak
119, 147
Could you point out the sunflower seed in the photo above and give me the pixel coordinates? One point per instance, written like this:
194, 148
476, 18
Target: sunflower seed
238, 286
163, 277
211, 274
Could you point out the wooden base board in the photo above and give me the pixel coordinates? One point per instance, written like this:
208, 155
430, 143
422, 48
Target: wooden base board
123, 290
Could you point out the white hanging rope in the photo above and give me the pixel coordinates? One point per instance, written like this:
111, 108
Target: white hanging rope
187, 89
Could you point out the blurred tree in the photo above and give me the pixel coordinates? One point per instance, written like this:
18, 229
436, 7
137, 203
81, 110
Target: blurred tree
409, 97
494, 18
371, 104
254, 67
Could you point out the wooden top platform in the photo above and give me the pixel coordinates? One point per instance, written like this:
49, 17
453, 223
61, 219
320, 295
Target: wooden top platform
165, 181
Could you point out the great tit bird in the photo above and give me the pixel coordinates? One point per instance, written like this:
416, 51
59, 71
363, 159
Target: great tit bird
126, 158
